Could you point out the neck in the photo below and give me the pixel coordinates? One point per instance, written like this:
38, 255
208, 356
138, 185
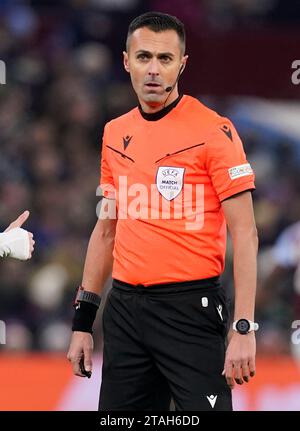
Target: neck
152, 107
154, 116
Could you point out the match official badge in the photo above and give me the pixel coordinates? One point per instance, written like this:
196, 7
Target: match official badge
169, 181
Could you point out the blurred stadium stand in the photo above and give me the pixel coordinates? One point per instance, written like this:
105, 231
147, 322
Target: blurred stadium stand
65, 79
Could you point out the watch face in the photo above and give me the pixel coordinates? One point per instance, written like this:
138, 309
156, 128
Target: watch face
242, 326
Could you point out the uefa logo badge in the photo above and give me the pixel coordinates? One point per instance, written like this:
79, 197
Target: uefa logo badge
169, 181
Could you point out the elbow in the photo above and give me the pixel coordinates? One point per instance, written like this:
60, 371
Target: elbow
106, 231
247, 235
108, 236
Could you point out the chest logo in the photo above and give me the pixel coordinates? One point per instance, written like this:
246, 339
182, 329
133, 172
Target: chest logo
169, 181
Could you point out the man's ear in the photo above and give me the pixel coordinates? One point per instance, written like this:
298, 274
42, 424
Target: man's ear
125, 61
183, 63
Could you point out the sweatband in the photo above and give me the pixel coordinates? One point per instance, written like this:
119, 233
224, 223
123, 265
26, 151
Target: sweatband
86, 305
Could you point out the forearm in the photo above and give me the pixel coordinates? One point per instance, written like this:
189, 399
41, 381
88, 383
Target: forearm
245, 245
99, 258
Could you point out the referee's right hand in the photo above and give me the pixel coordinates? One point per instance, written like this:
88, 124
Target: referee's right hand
81, 346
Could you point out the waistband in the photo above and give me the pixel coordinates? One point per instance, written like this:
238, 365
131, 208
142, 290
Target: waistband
183, 286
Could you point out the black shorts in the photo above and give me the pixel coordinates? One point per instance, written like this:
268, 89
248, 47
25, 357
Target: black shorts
162, 342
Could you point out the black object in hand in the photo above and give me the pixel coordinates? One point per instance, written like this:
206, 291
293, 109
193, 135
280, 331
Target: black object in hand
86, 373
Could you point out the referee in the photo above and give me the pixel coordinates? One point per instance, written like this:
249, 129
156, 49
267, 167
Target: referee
173, 175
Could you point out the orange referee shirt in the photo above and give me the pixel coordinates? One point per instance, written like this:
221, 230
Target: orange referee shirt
169, 173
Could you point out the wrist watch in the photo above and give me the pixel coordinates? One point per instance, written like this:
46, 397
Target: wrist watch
243, 326
86, 296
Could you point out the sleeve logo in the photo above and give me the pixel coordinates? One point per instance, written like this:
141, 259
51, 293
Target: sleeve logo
227, 131
240, 171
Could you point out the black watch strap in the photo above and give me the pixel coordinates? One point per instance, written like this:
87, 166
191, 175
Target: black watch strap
86, 296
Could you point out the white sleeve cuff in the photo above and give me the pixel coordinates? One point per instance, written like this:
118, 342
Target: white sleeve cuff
15, 243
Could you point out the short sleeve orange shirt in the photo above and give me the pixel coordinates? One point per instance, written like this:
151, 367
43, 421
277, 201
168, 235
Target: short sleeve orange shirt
169, 178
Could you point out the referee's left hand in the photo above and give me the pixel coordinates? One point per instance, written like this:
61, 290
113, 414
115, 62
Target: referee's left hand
81, 348
240, 359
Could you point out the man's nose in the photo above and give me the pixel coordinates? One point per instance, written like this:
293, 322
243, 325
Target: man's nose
153, 68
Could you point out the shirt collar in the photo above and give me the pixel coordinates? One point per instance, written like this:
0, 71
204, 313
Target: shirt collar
161, 113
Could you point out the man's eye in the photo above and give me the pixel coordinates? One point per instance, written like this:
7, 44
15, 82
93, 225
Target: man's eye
165, 58
142, 56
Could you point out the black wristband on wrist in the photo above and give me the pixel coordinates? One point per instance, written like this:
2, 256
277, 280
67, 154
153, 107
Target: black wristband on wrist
84, 316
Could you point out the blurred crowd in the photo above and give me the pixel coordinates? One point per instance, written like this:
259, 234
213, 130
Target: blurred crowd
64, 81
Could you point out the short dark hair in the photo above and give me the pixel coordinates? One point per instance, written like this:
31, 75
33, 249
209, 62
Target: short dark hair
157, 22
